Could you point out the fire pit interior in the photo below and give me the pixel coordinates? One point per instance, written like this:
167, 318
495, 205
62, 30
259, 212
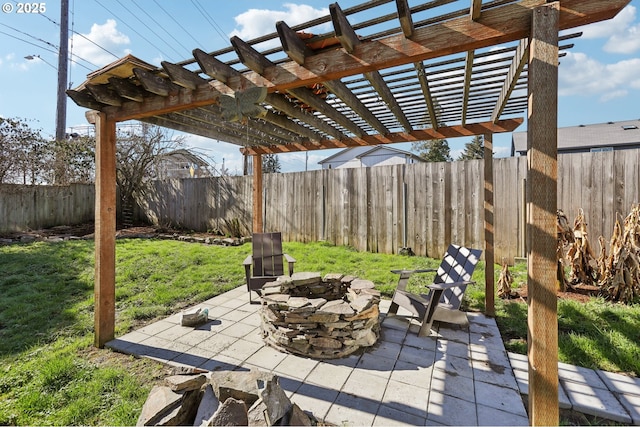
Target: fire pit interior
323, 318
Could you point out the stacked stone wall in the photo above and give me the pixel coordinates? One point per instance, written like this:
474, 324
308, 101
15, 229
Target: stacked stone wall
318, 317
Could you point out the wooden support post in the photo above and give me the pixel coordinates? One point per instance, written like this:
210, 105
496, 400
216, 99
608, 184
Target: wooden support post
489, 272
542, 177
257, 194
105, 230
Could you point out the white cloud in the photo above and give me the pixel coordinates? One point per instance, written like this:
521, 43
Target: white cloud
622, 32
582, 75
626, 42
605, 29
621, 93
258, 22
105, 35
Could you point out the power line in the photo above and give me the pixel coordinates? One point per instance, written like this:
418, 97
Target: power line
176, 22
130, 27
28, 42
158, 25
211, 21
84, 37
148, 27
33, 37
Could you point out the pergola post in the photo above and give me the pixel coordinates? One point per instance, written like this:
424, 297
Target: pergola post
257, 194
542, 177
105, 230
489, 273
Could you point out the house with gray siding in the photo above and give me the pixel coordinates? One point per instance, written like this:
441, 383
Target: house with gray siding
588, 138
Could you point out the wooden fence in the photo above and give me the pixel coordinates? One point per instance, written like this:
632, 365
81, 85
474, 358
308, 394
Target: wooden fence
382, 209
422, 206
25, 207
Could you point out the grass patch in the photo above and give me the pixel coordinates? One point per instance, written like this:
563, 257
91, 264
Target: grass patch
593, 333
51, 374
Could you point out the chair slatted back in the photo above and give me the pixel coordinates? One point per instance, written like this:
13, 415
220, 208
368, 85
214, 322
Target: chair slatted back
457, 265
267, 254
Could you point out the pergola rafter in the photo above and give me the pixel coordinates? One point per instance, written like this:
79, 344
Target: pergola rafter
416, 79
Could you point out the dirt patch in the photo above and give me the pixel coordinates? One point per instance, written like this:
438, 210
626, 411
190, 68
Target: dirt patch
86, 231
580, 294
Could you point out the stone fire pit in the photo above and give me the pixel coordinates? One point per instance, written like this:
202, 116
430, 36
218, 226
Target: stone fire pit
318, 317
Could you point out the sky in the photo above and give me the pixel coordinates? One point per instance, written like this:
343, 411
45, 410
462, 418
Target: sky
599, 79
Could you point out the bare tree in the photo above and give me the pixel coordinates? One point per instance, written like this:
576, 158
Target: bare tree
138, 152
24, 153
74, 160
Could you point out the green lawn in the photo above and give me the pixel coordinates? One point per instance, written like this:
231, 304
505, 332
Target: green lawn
51, 375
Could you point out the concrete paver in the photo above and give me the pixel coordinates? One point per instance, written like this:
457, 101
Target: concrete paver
456, 376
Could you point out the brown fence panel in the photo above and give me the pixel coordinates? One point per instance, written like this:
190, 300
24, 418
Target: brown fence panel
423, 206
39, 206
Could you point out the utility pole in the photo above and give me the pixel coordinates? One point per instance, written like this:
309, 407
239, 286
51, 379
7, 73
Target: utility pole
63, 58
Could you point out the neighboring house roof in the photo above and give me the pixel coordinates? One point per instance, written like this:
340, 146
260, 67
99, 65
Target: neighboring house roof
617, 135
182, 164
348, 155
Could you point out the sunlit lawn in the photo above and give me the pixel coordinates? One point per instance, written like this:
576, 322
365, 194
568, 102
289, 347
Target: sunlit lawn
51, 374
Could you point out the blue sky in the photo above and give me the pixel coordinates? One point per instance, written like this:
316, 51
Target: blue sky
599, 78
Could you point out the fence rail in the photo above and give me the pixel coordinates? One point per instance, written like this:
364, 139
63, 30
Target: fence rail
423, 206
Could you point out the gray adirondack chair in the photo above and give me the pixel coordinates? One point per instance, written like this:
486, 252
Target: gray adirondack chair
444, 299
266, 262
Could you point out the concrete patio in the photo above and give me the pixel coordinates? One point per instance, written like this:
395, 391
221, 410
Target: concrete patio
454, 377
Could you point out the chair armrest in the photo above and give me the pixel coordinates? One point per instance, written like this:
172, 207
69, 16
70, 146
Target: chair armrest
445, 286
248, 260
422, 270
290, 261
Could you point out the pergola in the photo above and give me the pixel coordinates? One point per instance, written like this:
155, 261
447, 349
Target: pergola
387, 73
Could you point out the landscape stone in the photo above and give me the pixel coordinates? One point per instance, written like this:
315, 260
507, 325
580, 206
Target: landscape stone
242, 385
362, 302
359, 284
208, 406
160, 402
233, 412
297, 417
325, 342
305, 278
276, 401
185, 382
256, 414
337, 307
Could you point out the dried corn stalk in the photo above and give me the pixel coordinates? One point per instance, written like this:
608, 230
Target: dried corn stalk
565, 237
582, 259
621, 270
504, 282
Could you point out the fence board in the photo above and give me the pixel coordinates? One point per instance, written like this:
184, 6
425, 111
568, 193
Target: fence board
362, 207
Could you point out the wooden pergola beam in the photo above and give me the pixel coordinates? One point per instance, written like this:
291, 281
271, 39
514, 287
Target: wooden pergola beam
297, 50
426, 92
349, 40
443, 132
468, 71
518, 62
258, 63
405, 18
497, 25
